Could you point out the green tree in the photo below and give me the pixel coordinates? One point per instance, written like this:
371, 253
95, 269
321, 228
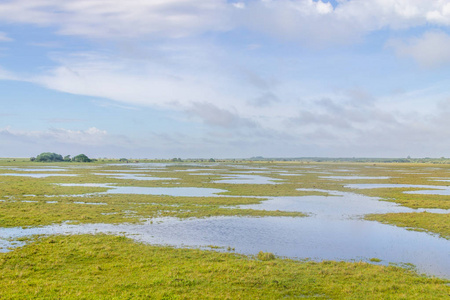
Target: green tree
81, 158
49, 157
67, 158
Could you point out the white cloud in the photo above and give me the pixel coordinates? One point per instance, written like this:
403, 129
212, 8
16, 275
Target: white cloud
4, 37
93, 142
88, 137
240, 5
164, 81
323, 8
338, 127
7, 75
120, 19
432, 49
317, 22
206, 87
441, 15
310, 21
215, 116
305, 20
213, 94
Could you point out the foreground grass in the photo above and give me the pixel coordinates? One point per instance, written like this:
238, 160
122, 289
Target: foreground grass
111, 267
436, 223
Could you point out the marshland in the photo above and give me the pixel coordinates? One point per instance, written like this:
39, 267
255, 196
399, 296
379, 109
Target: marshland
175, 230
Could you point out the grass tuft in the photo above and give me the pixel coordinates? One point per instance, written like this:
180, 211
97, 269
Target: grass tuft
265, 256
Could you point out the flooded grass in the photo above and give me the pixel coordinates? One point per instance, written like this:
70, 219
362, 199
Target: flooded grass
424, 221
305, 180
397, 195
116, 209
114, 267
84, 194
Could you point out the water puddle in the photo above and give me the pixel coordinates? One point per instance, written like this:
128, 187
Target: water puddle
37, 175
169, 191
394, 185
141, 165
43, 169
197, 170
339, 206
253, 171
247, 179
151, 166
355, 177
445, 192
205, 174
344, 170
350, 240
441, 180
89, 203
133, 176
290, 174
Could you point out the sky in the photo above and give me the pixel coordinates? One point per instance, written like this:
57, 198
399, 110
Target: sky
225, 78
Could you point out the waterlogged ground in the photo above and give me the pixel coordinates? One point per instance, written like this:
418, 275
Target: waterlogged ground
377, 213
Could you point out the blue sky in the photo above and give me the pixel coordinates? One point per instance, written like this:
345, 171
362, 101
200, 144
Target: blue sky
225, 79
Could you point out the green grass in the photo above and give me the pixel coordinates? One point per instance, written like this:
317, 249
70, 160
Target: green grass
112, 267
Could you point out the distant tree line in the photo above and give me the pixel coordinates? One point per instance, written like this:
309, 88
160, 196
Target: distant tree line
54, 157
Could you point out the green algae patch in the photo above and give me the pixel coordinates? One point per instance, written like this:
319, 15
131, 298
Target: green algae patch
424, 221
115, 267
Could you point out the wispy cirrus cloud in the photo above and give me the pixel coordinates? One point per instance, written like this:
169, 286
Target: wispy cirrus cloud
4, 37
8, 75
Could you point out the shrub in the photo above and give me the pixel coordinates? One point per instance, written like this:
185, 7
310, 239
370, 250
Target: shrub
266, 256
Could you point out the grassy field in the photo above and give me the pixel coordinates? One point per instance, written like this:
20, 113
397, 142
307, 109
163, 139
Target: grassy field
107, 267
111, 267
